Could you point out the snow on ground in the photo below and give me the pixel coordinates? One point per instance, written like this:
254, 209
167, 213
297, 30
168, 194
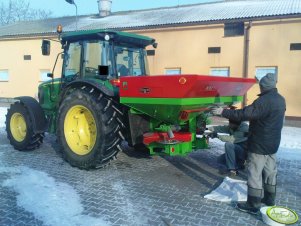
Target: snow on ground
290, 145
52, 201
3, 112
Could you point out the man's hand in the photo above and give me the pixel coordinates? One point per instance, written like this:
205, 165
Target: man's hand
213, 135
217, 111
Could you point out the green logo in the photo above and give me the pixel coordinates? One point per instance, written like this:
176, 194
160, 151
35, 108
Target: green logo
282, 215
125, 85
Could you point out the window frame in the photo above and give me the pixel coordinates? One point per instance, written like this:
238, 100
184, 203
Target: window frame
220, 69
214, 50
6, 79
234, 29
266, 68
173, 69
295, 46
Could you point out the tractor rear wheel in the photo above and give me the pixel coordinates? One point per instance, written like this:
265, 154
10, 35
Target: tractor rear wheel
19, 128
88, 131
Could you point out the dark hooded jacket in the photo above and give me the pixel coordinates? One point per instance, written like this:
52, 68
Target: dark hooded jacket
266, 116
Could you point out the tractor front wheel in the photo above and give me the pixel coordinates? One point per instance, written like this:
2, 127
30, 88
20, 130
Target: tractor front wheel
19, 127
88, 131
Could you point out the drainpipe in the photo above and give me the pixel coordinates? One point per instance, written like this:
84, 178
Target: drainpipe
246, 56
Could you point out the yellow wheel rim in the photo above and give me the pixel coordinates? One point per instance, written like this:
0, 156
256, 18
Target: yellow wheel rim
18, 127
80, 130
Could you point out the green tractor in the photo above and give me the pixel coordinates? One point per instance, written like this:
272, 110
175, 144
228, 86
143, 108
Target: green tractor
105, 96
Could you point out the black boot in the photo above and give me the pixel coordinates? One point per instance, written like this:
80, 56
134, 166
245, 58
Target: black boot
252, 205
269, 198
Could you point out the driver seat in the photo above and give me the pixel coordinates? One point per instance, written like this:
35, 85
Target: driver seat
122, 70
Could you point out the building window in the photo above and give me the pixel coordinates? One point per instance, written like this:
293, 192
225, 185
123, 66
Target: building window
220, 71
43, 75
173, 71
214, 49
151, 52
295, 46
234, 29
262, 71
3, 75
27, 57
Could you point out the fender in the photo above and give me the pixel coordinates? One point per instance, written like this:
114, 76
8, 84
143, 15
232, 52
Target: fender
100, 87
36, 113
79, 83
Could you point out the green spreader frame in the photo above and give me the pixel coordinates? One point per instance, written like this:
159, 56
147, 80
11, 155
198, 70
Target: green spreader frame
167, 111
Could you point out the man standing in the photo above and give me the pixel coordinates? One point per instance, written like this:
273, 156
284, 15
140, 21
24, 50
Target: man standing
235, 145
266, 115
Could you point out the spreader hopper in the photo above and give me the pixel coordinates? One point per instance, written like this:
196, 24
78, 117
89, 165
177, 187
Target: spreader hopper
178, 98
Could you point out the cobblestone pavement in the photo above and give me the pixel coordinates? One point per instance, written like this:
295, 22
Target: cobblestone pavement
140, 190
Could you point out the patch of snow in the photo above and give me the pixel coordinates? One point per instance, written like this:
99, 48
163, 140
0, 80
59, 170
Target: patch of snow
290, 138
52, 202
290, 145
3, 112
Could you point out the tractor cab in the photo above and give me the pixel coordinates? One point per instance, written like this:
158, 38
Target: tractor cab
101, 54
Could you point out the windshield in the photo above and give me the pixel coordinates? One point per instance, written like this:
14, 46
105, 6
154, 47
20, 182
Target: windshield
130, 61
95, 53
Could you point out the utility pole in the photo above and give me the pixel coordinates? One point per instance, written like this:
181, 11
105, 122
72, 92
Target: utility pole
73, 3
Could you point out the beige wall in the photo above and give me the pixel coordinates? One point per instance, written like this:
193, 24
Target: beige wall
270, 46
185, 48
24, 75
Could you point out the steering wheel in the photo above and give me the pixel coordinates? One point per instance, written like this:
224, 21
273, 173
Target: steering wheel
91, 70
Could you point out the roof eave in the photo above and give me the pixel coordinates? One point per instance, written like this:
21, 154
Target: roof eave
194, 23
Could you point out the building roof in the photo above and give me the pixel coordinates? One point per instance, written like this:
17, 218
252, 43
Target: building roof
204, 13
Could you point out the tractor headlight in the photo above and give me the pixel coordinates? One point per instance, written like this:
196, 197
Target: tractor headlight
107, 37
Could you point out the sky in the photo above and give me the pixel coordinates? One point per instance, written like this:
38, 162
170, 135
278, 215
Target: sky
85, 7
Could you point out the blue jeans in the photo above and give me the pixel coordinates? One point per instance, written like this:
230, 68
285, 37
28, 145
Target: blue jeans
235, 155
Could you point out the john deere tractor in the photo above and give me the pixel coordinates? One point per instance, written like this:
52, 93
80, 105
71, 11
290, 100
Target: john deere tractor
105, 95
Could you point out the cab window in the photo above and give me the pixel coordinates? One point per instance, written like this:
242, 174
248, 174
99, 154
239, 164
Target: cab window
129, 61
72, 60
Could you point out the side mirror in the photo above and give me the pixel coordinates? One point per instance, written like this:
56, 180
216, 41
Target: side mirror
155, 45
49, 75
45, 47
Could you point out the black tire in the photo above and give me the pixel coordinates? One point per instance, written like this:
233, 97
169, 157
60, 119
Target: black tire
100, 126
19, 128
